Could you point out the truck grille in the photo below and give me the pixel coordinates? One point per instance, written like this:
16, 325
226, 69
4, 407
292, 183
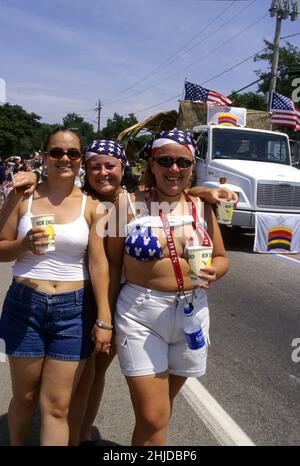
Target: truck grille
278, 195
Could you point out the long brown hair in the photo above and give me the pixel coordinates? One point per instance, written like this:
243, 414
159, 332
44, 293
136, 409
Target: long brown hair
148, 179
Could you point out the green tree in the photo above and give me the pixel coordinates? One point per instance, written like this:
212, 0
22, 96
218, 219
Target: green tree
250, 100
84, 129
17, 130
289, 58
41, 134
117, 124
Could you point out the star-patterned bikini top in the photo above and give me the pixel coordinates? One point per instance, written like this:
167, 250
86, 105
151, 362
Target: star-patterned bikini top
141, 243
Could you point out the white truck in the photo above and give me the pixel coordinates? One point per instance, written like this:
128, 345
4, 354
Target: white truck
257, 166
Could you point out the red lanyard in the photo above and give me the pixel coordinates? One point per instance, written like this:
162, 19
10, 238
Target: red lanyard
172, 250
197, 226
203, 236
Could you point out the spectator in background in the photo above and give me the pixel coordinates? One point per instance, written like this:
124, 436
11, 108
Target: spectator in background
2, 173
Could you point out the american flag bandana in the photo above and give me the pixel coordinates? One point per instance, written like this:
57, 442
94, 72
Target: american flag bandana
175, 136
106, 147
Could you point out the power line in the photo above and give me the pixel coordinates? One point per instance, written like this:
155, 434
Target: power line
234, 66
156, 105
291, 35
169, 77
92, 108
204, 56
245, 87
211, 79
166, 63
220, 27
204, 82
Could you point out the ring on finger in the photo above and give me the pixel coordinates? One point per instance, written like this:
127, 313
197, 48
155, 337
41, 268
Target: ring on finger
30, 237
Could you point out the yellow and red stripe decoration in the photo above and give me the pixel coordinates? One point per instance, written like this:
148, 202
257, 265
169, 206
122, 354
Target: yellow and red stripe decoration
280, 238
227, 119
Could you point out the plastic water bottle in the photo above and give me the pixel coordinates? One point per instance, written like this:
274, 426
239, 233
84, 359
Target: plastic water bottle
192, 330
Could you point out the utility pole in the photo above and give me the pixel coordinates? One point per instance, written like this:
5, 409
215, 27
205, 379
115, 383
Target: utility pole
282, 9
98, 109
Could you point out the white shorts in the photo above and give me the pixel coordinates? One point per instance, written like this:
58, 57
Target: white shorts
149, 333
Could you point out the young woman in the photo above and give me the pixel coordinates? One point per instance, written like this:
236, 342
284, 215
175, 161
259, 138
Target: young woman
105, 164
149, 314
50, 316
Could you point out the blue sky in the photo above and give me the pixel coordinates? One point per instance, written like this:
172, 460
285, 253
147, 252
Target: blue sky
61, 56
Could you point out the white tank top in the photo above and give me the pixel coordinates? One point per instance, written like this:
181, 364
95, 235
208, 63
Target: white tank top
69, 260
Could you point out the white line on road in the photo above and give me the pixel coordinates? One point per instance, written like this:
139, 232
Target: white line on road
281, 256
220, 424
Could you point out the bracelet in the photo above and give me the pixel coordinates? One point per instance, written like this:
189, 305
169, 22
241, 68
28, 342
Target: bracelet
101, 324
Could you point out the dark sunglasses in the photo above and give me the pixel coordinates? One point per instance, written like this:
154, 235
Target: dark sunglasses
57, 153
168, 161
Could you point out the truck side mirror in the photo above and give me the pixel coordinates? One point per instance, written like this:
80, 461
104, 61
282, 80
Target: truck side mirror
201, 140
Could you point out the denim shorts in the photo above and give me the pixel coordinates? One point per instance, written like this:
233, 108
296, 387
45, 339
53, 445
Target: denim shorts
149, 333
35, 324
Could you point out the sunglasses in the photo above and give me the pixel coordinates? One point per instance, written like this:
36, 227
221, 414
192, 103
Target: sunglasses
168, 161
57, 153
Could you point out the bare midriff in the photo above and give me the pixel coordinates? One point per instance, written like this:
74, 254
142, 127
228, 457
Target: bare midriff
156, 274
52, 287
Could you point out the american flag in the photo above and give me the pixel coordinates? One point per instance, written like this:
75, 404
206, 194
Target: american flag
200, 94
284, 112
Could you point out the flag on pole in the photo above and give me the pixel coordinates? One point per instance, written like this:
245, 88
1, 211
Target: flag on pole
200, 94
284, 111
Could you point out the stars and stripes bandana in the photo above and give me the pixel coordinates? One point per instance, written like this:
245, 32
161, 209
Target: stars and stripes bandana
175, 136
106, 147
200, 94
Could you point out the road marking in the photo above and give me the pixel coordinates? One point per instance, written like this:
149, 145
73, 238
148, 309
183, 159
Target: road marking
220, 424
281, 256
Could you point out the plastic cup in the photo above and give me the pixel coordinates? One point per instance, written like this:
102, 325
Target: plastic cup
198, 257
45, 221
225, 211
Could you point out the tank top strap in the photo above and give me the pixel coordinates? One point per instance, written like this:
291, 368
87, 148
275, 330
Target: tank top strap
83, 203
29, 204
200, 207
131, 204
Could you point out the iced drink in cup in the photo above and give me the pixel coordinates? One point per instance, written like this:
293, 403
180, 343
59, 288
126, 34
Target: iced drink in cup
225, 211
199, 257
45, 221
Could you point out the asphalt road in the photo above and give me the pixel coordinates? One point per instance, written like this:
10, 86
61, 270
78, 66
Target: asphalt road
255, 316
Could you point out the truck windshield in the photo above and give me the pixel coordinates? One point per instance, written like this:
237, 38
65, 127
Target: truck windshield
249, 145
